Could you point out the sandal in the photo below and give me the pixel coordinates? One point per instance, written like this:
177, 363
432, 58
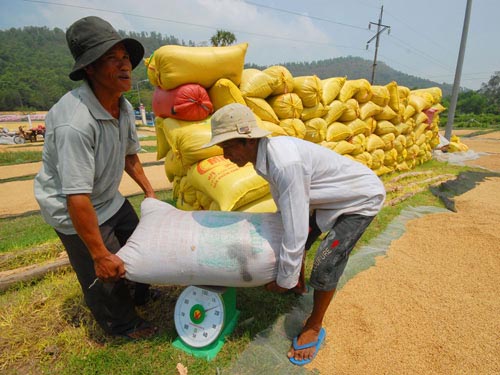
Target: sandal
143, 330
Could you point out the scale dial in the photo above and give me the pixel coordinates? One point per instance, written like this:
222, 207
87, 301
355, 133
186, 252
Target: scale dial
199, 316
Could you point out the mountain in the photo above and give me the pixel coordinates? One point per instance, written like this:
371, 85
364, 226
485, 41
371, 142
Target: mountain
35, 61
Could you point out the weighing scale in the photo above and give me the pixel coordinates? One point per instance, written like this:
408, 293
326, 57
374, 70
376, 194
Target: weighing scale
203, 317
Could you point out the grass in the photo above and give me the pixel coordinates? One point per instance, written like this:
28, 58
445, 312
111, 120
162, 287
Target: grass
20, 157
46, 328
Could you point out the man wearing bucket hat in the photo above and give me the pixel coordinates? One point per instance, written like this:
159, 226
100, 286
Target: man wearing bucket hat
316, 190
90, 140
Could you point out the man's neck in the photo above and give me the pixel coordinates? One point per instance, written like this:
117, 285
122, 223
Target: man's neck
109, 100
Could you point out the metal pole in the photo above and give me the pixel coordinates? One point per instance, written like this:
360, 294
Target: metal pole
458, 73
376, 44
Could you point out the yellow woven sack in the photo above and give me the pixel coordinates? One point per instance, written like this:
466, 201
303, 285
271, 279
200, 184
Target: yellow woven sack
225, 92
335, 110
438, 108
359, 142
409, 112
420, 102
187, 192
352, 111
388, 140
400, 143
360, 89
231, 187
309, 113
283, 79
286, 105
256, 83
368, 109
382, 170
371, 124
264, 204
174, 167
365, 158
275, 130
344, 148
435, 92
315, 130
294, 127
186, 139
387, 113
394, 102
162, 145
380, 95
262, 109
420, 129
377, 158
331, 88
309, 89
374, 142
203, 200
403, 92
402, 167
420, 118
337, 132
384, 127
390, 158
329, 145
359, 126
171, 66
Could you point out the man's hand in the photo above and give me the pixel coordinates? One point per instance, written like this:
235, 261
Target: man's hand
109, 268
275, 288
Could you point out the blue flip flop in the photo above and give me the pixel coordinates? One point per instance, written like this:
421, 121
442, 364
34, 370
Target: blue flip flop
317, 344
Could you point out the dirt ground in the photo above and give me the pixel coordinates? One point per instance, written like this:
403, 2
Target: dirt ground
430, 306
16, 197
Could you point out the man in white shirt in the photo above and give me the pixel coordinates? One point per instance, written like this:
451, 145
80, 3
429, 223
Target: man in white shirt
316, 190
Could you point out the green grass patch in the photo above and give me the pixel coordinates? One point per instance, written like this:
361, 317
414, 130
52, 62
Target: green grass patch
148, 138
20, 157
148, 148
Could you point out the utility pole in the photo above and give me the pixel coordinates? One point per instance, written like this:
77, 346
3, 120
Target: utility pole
458, 73
380, 29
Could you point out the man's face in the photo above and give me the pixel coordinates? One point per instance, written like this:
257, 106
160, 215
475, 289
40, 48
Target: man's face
113, 70
237, 151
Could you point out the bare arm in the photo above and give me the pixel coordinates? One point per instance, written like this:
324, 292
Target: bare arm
108, 267
133, 167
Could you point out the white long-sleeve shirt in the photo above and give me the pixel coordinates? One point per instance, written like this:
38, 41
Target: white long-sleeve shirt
304, 176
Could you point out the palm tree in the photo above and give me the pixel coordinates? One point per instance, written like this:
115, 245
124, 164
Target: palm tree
222, 38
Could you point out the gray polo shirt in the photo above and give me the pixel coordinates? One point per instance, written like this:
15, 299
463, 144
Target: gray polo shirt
84, 153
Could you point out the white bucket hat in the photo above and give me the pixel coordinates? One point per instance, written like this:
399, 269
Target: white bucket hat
234, 121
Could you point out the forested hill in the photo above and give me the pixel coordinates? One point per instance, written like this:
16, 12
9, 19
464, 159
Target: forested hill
35, 62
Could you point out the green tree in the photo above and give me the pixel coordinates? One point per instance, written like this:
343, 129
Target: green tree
472, 102
491, 90
222, 38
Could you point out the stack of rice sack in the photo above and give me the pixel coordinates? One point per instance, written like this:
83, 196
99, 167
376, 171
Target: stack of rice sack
202, 178
386, 127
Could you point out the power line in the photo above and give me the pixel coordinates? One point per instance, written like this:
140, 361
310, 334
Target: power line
412, 49
418, 32
305, 15
192, 24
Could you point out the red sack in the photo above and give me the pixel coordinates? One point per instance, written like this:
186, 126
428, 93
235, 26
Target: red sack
188, 102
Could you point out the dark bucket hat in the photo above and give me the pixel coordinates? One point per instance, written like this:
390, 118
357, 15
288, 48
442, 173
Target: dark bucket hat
91, 37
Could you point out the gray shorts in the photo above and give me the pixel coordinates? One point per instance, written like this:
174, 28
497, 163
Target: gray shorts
333, 252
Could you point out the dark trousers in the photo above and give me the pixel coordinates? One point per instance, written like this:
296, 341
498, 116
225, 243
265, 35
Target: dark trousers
334, 250
111, 304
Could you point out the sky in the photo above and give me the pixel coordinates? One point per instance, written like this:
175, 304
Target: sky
423, 40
